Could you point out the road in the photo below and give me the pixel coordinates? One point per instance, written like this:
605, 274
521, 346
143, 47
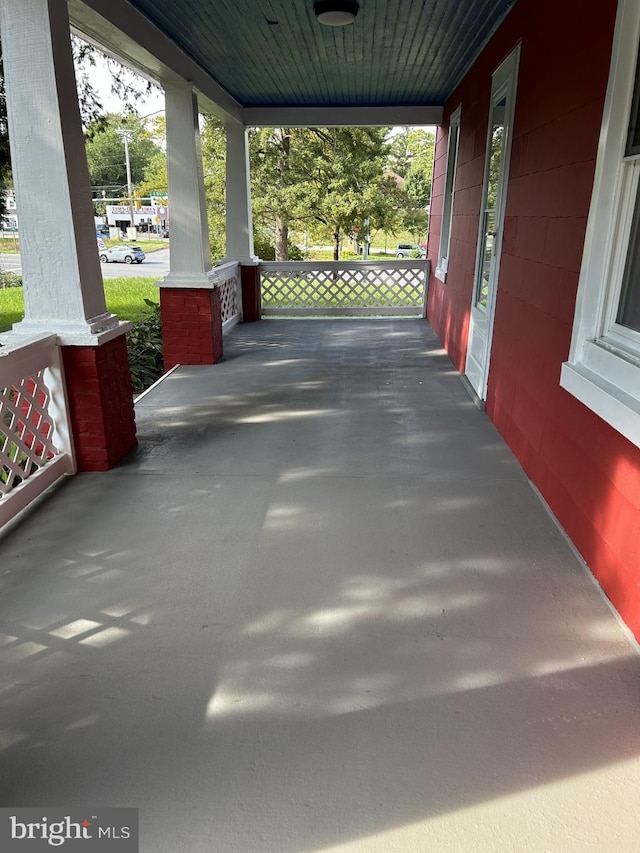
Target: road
155, 265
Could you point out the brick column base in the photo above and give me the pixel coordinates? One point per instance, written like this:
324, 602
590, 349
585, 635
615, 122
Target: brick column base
191, 325
100, 403
251, 304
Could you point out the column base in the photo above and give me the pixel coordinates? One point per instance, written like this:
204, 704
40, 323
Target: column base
100, 399
191, 326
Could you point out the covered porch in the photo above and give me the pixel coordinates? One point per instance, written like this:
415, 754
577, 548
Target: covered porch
357, 628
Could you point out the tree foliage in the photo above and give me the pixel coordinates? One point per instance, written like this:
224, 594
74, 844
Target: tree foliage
411, 157
327, 180
106, 152
214, 159
125, 83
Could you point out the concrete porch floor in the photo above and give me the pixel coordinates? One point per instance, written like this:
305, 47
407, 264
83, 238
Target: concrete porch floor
319, 609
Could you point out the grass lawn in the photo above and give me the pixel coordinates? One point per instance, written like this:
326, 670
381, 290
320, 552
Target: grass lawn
348, 256
147, 245
125, 297
11, 245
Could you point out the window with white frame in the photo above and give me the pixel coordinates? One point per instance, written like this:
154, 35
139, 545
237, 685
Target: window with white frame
449, 192
603, 370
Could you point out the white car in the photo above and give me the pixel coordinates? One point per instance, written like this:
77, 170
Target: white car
408, 250
127, 253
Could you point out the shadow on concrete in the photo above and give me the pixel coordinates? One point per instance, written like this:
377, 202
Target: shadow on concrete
351, 652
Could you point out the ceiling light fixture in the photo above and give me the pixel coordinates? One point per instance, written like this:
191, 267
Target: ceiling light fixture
336, 13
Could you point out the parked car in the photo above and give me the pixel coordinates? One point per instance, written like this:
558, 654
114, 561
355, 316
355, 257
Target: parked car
127, 253
102, 229
410, 250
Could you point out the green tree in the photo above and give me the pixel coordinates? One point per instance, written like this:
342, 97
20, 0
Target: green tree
154, 178
125, 83
346, 181
278, 184
106, 153
327, 180
411, 156
214, 159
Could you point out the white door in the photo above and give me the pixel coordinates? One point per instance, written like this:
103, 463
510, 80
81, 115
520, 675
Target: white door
496, 171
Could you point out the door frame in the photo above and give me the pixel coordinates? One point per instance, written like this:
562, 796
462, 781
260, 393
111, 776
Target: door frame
503, 83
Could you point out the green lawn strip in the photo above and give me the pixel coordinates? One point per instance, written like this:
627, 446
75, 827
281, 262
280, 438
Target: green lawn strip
350, 257
125, 297
11, 245
11, 307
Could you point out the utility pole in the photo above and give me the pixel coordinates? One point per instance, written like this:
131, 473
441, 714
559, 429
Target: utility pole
127, 136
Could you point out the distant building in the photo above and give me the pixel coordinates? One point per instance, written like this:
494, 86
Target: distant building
9, 222
147, 217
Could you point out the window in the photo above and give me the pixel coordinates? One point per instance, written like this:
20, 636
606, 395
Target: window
603, 370
449, 191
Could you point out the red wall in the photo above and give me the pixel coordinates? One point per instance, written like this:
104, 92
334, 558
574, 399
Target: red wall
586, 471
191, 325
100, 400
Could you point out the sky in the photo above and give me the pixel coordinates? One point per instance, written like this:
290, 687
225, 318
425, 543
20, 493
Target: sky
100, 77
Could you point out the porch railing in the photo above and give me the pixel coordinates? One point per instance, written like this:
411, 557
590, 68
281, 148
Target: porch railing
35, 439
334, 288
226, 277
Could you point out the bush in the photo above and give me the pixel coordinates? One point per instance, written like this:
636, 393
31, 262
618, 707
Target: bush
144, 344
265, 250
10, 279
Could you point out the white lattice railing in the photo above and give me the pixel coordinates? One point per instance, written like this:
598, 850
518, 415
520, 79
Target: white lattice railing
35, 440
226, 277
366, 288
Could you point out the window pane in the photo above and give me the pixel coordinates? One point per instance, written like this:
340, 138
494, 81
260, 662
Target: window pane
629, 305
633, 135
447, 208
491, 201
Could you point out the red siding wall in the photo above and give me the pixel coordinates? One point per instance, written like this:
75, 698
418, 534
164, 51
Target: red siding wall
587, 472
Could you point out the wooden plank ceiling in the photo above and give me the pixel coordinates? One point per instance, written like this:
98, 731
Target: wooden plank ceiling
273, 53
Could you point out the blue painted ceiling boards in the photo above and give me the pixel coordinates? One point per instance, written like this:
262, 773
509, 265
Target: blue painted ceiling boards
275, 53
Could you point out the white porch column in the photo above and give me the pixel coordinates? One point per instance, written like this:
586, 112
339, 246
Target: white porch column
190, 255
63, 289
239, 218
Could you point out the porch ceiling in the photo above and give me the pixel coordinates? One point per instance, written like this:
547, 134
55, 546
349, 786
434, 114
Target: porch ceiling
260, 55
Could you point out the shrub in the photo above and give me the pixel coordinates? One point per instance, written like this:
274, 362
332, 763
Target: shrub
144, 344
265, 250
10, 279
